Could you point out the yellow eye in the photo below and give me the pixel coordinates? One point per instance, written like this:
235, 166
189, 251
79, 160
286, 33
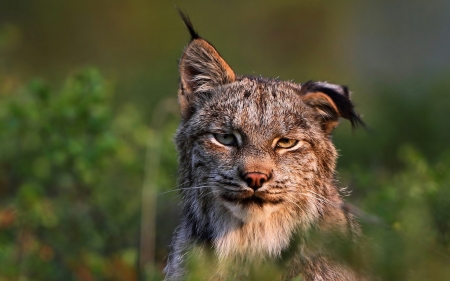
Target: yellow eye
225, 139
286, 143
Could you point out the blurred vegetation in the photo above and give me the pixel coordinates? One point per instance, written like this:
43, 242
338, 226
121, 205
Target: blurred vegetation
73, 139
70, 175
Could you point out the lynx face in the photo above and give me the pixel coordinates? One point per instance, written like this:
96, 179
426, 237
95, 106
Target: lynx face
258, 148
256, 162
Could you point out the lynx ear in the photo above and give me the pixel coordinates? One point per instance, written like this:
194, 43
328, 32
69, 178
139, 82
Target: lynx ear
201, 69
331, 102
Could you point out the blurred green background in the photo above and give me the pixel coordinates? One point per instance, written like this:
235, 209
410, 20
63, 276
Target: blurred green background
87, 115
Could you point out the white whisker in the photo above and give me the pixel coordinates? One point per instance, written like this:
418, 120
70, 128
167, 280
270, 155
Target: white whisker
323, 198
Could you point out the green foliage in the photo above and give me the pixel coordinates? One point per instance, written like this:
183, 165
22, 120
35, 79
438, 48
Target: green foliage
413, 240
70, 172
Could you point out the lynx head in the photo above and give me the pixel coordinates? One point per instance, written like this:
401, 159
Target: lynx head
253, 149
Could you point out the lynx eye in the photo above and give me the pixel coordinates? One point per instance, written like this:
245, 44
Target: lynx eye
225, 139
286, 143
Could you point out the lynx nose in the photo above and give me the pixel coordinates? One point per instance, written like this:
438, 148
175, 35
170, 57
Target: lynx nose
255, 180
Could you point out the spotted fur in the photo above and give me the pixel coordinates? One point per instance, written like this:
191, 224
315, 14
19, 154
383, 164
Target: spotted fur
220, 211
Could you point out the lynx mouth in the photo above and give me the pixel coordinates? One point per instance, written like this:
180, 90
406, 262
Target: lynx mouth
247, 198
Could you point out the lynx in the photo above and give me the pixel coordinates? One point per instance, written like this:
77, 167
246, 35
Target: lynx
257, 170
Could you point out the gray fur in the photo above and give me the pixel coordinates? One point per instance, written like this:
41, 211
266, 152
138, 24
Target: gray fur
220, 212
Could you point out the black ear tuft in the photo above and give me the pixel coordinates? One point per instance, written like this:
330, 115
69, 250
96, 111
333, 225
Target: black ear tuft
188, 23
340, 96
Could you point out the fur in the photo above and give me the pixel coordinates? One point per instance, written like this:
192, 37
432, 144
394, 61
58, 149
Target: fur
220, 210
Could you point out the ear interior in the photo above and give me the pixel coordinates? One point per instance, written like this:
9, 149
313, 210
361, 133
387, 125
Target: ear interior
331, 102
326, 109
201, 70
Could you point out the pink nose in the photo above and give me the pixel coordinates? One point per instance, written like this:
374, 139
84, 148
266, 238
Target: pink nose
255, 180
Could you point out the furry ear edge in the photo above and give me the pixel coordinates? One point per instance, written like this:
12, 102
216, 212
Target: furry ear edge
331, 102
201, 69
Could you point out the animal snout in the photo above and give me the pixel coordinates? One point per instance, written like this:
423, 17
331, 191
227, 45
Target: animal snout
255, 180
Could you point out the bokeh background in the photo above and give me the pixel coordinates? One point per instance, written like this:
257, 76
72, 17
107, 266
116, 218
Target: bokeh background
88, 111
